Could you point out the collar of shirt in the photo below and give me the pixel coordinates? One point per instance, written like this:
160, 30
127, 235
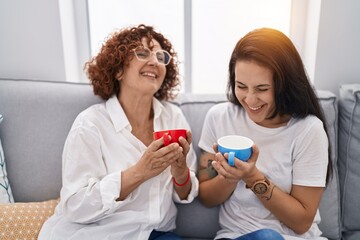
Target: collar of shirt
118, 116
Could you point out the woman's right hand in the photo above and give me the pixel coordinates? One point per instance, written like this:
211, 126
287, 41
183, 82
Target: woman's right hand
157, 158
154, 161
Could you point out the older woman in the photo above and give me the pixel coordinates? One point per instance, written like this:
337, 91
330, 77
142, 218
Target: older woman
118, 183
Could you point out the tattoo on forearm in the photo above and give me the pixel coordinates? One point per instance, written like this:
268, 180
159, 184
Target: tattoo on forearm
209, 171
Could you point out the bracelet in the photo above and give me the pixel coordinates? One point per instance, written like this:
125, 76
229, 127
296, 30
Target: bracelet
186, 181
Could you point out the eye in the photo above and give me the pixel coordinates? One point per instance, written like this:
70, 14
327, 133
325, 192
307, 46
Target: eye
160, 56
240, 86
142, 53
262, 89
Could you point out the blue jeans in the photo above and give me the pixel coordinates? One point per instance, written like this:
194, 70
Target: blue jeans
156, 235
262, 234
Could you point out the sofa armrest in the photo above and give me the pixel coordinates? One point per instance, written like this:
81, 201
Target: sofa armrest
24, 220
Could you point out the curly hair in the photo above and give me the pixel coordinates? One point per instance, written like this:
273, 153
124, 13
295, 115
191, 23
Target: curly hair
294, 95
116, 53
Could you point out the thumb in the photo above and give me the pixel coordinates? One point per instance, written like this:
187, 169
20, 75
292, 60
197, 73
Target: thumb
189, 136
215, 147
255, 154
156, 144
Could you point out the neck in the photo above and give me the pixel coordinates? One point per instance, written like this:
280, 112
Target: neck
138, 110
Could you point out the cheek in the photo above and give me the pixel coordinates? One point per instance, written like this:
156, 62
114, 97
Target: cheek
239, 94
162, 71
269, 98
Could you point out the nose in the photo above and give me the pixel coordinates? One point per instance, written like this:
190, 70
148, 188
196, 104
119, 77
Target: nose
152, 59
251, 98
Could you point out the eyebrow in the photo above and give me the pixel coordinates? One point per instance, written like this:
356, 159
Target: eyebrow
261, 85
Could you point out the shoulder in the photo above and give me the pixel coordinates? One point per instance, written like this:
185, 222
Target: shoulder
224, 109
91, 115
309, 122
170, 106
168, 110
220, 107
309, 127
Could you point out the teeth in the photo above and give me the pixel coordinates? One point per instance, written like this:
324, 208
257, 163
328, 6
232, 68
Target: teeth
255, 108
149, 74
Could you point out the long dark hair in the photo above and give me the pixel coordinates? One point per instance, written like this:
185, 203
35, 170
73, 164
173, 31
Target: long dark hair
294, 95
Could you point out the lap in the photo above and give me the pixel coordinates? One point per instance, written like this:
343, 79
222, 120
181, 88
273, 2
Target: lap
157, 235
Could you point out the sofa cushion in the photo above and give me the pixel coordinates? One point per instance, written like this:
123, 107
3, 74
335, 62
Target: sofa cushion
349, 158
5, 189
34, 130
329, 208
24, 220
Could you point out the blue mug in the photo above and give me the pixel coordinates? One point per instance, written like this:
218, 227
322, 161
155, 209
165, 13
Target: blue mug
236, 146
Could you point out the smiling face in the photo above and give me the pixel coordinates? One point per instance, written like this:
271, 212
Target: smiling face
254, 89
144, 77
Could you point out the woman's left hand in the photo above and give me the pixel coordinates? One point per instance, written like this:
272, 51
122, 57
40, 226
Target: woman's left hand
179, 168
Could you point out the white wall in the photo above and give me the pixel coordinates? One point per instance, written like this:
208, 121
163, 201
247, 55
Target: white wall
30, 40
31, 45
338, 48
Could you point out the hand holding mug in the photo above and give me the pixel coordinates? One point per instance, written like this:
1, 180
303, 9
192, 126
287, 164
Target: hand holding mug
183, 138
236, 146
157, 158
170, 135
240, 170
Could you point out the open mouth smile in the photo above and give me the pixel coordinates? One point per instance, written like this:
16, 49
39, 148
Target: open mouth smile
255, 108
149, 74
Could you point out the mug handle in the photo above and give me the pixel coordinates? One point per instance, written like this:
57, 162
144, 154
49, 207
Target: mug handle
231, 159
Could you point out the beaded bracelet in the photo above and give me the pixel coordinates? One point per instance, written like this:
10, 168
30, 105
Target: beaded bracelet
186, 181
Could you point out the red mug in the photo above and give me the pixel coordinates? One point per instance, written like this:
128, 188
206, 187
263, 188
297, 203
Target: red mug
173, 133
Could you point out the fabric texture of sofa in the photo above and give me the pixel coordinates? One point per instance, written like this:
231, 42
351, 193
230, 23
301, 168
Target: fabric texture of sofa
37, 116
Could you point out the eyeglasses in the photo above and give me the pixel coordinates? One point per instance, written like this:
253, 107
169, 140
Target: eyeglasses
144, 54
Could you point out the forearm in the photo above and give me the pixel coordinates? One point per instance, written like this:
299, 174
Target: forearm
293, 213
130, 180
215, 191
182, 185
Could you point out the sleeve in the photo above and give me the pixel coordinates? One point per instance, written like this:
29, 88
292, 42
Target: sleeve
89, 192
311, 157
208, 135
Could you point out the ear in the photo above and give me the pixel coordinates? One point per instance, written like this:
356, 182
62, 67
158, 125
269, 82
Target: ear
119, 75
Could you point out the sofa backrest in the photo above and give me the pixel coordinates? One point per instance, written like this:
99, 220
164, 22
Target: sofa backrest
349, 159
38, 116
330, 203
195, 108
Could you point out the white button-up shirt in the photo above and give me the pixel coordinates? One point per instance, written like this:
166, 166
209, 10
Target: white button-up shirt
99, 146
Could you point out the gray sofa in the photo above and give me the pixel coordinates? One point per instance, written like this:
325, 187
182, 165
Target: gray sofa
38, 115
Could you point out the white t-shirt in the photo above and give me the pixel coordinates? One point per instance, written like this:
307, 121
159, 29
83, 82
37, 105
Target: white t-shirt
99, 146
293, 154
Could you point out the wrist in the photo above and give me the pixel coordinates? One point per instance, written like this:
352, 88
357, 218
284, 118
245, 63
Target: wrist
251, 179
183, 180
262, 188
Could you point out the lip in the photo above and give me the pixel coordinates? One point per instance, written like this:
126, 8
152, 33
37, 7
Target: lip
150, 74
254, 109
